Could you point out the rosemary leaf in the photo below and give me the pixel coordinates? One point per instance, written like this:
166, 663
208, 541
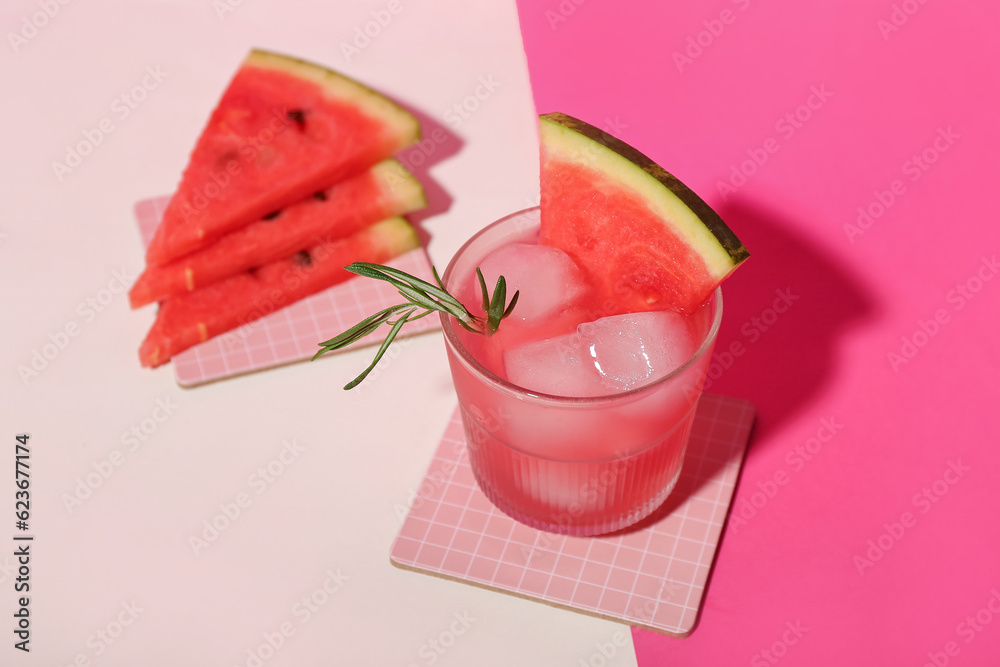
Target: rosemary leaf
486, 292
359, 330
381, 351
513, 300
422, 298
495, 312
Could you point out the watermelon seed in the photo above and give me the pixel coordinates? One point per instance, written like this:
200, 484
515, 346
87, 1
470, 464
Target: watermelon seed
320, 195
303, 258
252, 270
272, 215
299, 117
227, 157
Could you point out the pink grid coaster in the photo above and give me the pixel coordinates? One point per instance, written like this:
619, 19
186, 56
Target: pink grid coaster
293, 333
652, 575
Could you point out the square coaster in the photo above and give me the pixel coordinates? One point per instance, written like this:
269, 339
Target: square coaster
652, 575
293, 333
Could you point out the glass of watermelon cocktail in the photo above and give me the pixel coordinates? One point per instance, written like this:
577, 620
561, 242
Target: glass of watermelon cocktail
606, 450
577, 410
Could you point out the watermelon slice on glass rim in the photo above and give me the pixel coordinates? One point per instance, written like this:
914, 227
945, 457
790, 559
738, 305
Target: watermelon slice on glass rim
640, 239
283, 130
643, 238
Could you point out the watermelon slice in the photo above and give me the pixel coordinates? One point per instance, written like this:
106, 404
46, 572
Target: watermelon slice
283, 130
644, 239
386, 190
189, 319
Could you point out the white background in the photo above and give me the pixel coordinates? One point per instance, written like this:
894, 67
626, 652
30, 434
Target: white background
337, 505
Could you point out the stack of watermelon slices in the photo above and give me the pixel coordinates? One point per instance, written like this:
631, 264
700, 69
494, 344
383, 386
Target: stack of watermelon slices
291, 180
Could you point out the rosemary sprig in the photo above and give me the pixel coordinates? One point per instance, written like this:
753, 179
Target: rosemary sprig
422, 298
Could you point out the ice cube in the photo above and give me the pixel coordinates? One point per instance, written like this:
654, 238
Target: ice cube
607, 356
549, 280
560, 366
633, 349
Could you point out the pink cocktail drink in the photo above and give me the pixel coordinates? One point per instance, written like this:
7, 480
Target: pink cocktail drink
576, 416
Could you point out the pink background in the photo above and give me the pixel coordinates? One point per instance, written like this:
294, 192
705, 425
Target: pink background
340, 504
895, 430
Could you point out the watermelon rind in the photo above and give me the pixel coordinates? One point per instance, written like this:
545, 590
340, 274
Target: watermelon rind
340, 87
194, 217
572, 140
392, 189
403, 185
194, 317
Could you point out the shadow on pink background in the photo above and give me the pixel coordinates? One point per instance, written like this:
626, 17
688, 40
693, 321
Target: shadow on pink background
783, 368
852, 147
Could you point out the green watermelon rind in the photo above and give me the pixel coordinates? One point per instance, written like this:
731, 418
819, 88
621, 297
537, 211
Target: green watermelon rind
401, 183
341, 88
396, 235
168, 337
177, 237
577, 142
398, 188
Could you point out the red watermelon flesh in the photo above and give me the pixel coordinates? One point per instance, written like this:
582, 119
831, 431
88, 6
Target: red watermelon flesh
189, 319
283, 130
385, 190
644, 239
635, 256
